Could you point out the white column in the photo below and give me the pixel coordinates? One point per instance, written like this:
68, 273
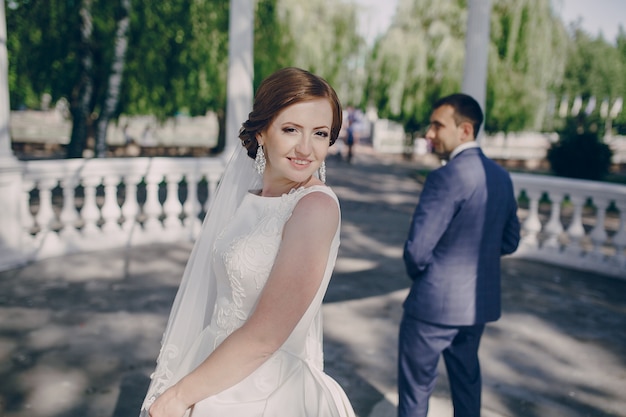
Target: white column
477, 50
10, 169
239, 92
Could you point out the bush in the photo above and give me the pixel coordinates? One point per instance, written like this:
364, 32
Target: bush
579, 153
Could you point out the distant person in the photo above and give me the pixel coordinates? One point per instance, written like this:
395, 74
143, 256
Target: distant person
465, 221
244, 338
351, 133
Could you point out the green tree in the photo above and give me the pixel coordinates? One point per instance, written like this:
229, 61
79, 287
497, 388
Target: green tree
422, 55
115, 78
326, 41
176, 58
82, 96
274, 47
620, 122
526, 64
42, 39
594, 68
417, 60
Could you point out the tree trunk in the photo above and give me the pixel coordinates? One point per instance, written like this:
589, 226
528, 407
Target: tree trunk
115, 79
221, 134
80, 106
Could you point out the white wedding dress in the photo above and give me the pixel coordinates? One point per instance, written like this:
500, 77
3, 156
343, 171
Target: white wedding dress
292, 382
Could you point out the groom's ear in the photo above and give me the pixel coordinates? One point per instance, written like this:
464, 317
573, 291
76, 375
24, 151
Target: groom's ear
467, 132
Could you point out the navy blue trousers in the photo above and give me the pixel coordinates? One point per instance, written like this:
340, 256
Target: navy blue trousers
420, 346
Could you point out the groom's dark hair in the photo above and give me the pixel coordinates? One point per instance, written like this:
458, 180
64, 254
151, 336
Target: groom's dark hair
466, 109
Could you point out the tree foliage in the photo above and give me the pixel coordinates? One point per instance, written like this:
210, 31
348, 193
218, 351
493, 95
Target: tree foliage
595, 70
526, 63
177, 58
422, 55
177, 55
620, 122
274, 47
325, 39
418, 59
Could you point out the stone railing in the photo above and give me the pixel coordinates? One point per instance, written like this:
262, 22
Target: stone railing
70, 206
91, 204
575, 223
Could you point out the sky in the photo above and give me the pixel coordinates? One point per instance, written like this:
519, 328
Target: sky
595, 15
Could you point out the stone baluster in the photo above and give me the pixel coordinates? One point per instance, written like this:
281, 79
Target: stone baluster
532, 224
29, 219
111, 211
576, 231
172, 206
69, 215
212, 180
204, 205
130, 207
191, 207
152, 207
619, 239
90, 212
554, 227
46, 218
598, 235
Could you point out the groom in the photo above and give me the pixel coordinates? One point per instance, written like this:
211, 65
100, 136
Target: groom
465, 220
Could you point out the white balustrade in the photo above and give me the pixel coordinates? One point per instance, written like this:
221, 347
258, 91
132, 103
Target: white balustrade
90, 212
110, 210
532, 224
69, 215
191, 206
152, 207
554, 228
28, 219
93, 204
130, 206
45, 214
598, 235
594, 237
619, 240
172, 206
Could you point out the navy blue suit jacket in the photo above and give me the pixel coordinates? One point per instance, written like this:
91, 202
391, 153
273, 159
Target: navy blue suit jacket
465, 220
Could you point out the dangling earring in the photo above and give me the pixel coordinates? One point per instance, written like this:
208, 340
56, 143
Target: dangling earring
259, 161
322, 171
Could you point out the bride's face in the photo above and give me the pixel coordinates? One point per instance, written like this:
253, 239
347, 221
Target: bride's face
297, 141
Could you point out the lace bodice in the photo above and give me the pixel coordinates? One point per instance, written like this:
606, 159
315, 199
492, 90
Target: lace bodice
243, 256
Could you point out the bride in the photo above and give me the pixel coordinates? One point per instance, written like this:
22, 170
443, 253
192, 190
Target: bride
244, 337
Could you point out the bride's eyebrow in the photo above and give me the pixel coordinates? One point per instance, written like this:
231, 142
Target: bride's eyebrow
287, 124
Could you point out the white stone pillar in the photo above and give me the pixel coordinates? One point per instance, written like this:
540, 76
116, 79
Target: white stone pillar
239, 90
10, 169
477, 50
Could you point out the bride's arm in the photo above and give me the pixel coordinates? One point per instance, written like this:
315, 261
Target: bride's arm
293, 283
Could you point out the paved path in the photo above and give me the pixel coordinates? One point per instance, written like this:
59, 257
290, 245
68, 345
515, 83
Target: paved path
79, 334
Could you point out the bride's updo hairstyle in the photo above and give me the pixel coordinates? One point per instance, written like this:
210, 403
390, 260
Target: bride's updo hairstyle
283, 88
